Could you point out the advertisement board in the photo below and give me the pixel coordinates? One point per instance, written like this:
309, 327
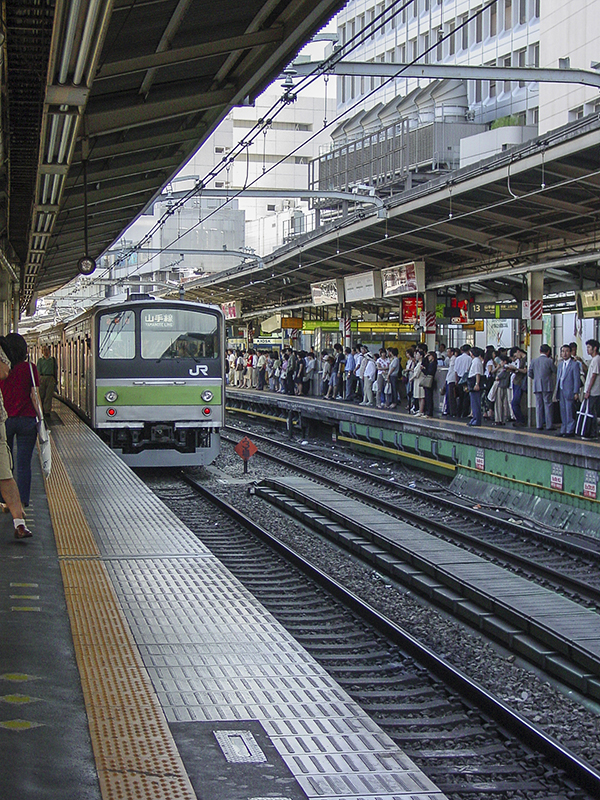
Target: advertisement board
406, 278
365, 286
232, 310
326, 293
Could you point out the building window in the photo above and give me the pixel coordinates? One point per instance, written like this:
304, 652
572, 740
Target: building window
479, 26
576, 113
492, 87
439, 53
534, 55
415, 8
536, 8
371, 18
402, 54
451, 42
522, 61
478, 91
425, 39
270, 206
493, 19
507, 63
465, 32
522, 12
534, 116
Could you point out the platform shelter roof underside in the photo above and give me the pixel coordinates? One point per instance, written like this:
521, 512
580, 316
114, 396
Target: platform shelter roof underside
486, 226
131, 88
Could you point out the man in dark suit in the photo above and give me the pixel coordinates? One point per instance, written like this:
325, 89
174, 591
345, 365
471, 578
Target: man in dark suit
568, 384
543, 370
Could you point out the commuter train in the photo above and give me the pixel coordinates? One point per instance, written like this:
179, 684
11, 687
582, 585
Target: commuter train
148, 376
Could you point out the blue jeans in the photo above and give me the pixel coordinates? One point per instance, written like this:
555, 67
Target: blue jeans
25, 431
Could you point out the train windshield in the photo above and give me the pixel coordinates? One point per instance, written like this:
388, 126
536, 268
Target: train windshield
178, 333
117, 335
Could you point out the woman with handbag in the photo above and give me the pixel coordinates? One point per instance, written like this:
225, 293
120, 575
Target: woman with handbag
22, 406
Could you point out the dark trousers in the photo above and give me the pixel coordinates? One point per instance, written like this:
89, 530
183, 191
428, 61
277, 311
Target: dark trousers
451, 399
515, 403
25, 431
429, 401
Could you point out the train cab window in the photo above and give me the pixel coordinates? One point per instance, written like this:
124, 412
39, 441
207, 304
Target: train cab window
178, 333
116, 335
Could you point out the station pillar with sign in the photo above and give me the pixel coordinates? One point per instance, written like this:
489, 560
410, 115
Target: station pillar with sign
429, 327
535, 283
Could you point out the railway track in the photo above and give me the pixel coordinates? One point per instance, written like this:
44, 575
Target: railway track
468, 742
556, 653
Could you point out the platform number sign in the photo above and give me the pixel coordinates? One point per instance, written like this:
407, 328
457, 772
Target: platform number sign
590, 484
245, 450
480, 458
556, 477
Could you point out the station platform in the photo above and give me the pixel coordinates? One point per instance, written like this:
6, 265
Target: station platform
537, 474
133, 664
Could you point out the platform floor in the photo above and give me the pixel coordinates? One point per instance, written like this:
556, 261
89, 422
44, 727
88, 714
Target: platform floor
134, 665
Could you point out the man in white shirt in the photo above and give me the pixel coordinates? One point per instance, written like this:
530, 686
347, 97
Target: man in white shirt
591, 389
370, 376
462, 365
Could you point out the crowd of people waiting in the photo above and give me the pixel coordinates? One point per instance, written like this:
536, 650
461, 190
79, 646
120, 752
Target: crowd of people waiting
479, 384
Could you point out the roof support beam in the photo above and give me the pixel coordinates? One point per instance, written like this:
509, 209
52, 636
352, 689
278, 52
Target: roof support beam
182, 55
101, 123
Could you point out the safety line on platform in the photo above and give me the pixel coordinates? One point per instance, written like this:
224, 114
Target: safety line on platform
135, 753
400, 453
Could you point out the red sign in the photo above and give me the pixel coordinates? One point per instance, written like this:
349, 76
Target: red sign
245, 448
409, 310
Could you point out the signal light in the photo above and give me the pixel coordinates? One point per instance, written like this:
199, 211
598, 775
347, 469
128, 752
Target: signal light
206, 411
111, 412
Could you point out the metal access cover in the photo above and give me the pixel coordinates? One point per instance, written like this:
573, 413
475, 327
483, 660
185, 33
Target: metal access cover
240, 747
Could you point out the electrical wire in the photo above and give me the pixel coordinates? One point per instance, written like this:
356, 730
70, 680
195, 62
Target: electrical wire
382, 19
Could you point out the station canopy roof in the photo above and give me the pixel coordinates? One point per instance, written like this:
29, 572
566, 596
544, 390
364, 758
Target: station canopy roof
131, 88
482, 228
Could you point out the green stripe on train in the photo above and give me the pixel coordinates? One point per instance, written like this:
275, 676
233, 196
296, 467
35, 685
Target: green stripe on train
158, 395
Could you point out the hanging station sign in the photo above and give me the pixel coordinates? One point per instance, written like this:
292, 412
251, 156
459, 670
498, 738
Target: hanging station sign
292, 323
365, 286
588, 304
494, 310
406, 278
327, 293
232, 310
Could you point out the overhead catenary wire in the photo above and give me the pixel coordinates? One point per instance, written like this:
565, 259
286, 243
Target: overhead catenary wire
381, 20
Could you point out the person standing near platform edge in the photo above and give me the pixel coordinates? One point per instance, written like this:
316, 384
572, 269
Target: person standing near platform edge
591, 390
48, 372
543, 370
8, 485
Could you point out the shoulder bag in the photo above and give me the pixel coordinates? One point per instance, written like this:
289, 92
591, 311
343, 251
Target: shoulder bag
43, 432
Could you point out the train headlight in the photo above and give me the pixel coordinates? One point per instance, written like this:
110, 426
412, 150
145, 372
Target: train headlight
206, 412
207, 396
111, 396
111, 412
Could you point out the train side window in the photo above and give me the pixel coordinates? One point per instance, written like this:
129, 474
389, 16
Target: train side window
177, 333
116, 335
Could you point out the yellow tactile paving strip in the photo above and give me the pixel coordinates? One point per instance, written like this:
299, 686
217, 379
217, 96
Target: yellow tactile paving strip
135, 754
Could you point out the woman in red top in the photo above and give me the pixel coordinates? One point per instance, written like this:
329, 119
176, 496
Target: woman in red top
17, 391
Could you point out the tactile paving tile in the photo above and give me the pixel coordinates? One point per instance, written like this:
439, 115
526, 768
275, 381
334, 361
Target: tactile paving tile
214, 653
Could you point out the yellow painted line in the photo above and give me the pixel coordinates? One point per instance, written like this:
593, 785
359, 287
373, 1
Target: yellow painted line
24, 596
136, 756
25, 608
400, 453
18, 699
24, 585
18, 677
258, 414
526, 483
19, 725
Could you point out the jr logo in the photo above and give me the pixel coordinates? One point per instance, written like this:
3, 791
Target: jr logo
201, 369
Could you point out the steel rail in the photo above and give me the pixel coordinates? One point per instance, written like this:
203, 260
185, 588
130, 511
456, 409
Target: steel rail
581, 772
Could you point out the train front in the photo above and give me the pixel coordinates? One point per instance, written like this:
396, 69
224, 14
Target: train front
159, 381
